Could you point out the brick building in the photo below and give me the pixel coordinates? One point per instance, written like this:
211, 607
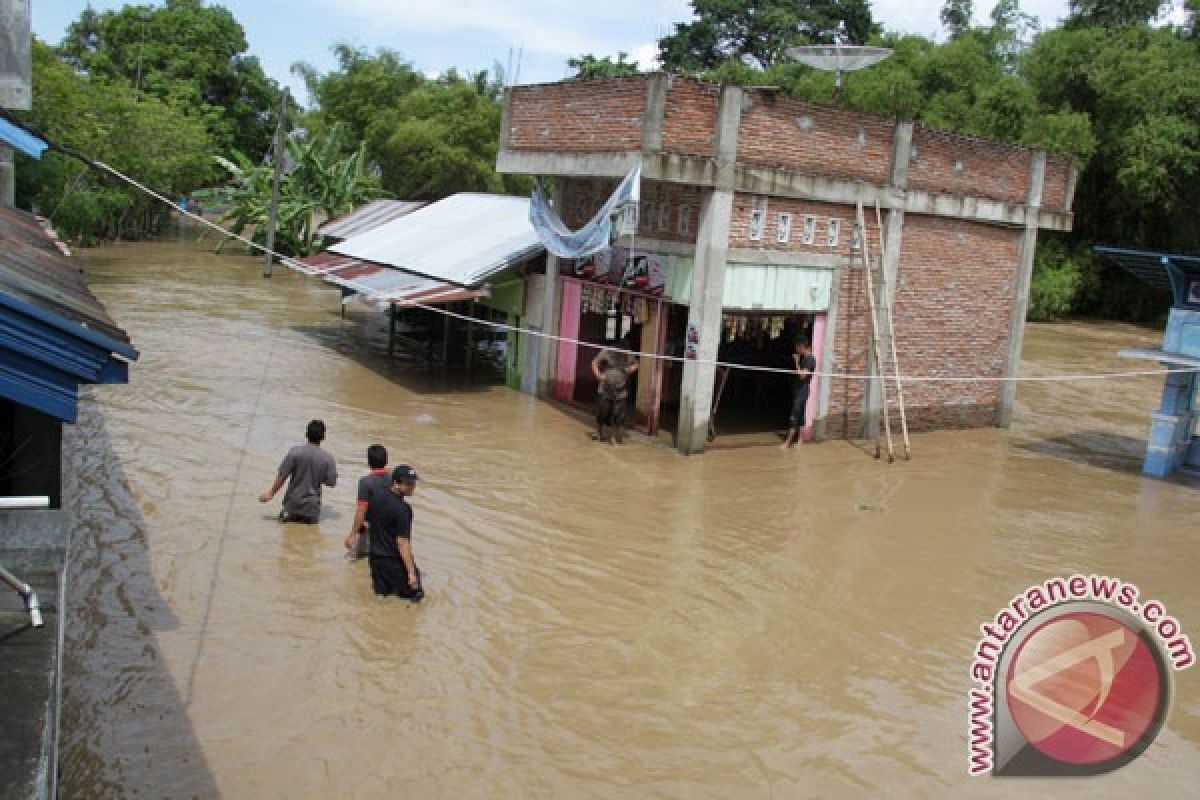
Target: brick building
747, 234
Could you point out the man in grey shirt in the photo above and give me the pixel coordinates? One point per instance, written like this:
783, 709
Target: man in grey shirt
306, 467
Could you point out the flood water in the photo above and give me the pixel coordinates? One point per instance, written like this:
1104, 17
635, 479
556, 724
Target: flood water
600, 622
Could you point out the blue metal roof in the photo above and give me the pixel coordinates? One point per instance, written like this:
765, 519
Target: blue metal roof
20, 139
1170, 271
54, 333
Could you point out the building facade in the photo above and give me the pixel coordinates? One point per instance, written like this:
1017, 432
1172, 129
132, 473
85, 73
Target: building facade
748, 236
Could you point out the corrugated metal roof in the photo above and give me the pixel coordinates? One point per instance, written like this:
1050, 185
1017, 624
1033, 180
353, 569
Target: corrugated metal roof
1154, 268
54, 333
35, 270
367, 218
379, 283
464, 240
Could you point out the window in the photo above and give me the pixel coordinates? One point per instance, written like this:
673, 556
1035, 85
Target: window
627, 224
647, 217
756, 225
664, 216
831, 233
856, 237
685, 219
783, 228
810, 231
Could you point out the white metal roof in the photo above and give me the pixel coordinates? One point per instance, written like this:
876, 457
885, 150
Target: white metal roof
367, 217
465, 239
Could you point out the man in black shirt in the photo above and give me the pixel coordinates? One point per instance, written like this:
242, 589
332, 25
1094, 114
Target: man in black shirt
389, 526
612, 369
805, 365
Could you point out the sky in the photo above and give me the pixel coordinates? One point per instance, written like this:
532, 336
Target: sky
475, 34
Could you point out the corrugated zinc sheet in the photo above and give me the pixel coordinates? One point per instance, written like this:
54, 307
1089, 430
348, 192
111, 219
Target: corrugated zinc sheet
761, 287
1152, 267
380, 284
465, 239
367, 218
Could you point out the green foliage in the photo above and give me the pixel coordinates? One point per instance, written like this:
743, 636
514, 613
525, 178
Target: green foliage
141, 136
956, 16
322, 183
759, 32
1057, 279
361, 86
186, 54
588, 66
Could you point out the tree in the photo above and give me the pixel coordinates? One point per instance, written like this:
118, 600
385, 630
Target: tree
1114, 13
759, 32
186, 53
362, 86
956, 16
322, 181
149, 139
588, 66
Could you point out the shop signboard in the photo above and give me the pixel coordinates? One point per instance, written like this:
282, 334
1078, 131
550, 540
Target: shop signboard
635, 270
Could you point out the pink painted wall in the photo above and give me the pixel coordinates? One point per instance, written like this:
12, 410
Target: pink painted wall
568, 328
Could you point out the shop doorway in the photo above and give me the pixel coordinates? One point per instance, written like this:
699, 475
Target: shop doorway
748, 401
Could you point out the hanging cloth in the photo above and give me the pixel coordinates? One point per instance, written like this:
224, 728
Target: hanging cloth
591, 238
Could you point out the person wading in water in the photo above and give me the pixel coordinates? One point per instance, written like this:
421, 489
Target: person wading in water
389, 526
612, 370
805, 365
305, 468
373, 483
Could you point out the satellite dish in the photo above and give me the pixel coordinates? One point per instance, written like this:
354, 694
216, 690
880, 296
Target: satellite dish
838, 57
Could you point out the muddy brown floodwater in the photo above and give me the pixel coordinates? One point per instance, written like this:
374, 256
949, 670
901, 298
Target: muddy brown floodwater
601, 622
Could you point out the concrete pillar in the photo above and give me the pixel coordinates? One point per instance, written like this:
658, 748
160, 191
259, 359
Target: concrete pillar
551, 304
708, 280
893, 234
656, 111
7, 178
1023, 278
647, 365
704, 320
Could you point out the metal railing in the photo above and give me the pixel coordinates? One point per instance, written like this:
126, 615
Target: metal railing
28, 595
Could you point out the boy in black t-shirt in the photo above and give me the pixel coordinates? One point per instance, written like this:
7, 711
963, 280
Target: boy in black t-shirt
805, 365
375, 482
389, 526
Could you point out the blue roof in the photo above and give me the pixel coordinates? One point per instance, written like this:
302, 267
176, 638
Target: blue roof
20, 139
1170, 271
54, 333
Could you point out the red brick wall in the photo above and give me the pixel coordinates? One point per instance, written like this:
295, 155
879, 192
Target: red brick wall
690, 119
674, 197
1054, 187
952, 310
599, 116
988, 169
778, 131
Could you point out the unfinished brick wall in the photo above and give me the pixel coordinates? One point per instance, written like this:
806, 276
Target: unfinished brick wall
597, 116
690, 118
783, 132
953, 301
954, 164
1054, 186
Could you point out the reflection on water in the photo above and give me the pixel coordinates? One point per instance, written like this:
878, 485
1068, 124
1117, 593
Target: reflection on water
601, 622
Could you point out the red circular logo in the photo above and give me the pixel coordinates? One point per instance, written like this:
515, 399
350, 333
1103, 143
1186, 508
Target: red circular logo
1084, 688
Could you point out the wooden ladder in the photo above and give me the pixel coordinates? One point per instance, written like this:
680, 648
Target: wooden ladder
879, 302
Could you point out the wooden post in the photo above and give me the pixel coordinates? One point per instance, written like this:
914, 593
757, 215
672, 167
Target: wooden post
274, 214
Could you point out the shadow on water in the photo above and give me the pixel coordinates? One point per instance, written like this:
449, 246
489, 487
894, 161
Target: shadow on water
1097, 448
125, 726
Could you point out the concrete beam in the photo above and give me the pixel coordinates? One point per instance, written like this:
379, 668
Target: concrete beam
1022, 279
711, 173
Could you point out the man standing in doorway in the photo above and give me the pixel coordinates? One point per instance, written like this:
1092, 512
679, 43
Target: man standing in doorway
612, 369
389, 525
805, 365
372, 484
306, 467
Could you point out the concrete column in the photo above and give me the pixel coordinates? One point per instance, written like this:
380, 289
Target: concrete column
1023, 278
704, 319
644, 402
551, 305
892, 234
656, 111
708, 280
7, 178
